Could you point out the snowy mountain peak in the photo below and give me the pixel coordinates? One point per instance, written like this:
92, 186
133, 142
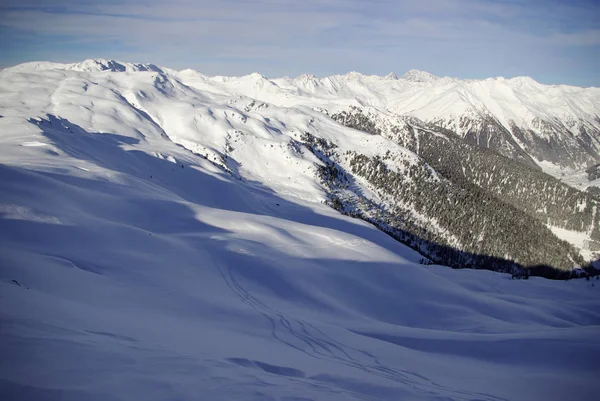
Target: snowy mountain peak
419, 76
192, 73
352, 75
96, 65
522, 81
306, 77
99, 65
257, 77
391, 76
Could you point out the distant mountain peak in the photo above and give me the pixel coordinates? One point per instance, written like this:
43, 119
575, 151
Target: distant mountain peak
419, 76
192, 72
391, 76
255, 76
100, 64
306, 77
353, 75
524, 80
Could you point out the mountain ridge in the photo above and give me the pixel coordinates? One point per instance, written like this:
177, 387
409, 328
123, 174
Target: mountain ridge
102, 64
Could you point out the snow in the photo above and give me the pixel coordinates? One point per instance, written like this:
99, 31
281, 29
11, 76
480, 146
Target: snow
519, 101
419, 76
34, 143
132, 266
577, 179
553, 169
420, 94
580, 240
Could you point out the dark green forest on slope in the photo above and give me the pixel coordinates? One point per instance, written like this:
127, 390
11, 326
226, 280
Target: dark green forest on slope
481, 209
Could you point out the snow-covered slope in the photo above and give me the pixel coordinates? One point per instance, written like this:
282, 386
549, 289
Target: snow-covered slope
163, 240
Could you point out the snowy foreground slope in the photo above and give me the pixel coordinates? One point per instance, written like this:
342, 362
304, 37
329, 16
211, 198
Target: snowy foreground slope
133, 268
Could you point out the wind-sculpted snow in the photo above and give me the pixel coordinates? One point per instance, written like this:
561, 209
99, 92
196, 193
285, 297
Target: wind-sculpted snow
160, 241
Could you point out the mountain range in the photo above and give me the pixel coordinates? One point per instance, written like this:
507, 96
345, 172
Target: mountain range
466, 172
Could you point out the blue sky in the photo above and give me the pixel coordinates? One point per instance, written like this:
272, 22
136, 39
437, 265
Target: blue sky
553, 41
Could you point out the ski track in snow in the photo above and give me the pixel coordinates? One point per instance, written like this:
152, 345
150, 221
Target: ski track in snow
306, 338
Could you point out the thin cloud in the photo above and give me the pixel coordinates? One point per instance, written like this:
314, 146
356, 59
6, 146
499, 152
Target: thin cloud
586, 38
290, 37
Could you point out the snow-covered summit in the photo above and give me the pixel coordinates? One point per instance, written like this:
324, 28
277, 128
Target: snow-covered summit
97, 65
419, 76
352, 76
